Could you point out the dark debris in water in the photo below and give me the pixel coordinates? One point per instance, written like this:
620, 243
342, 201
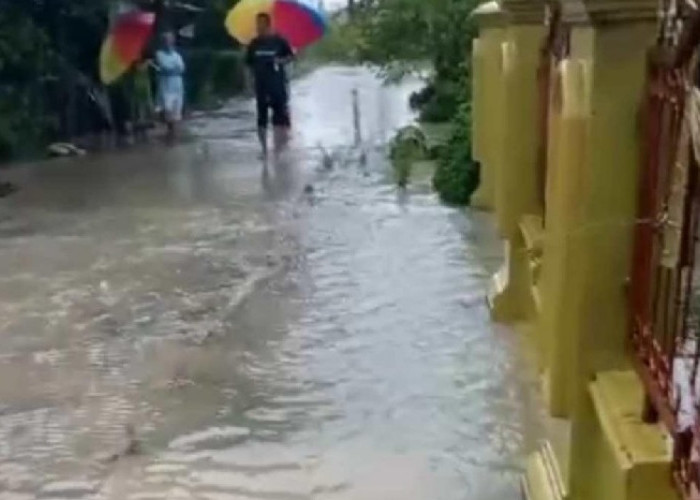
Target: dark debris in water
132, 446
6, 189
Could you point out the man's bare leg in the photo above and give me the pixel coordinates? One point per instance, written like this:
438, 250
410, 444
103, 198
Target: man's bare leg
281, 138
262, 137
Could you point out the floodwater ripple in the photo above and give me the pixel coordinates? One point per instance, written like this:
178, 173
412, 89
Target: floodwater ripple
184, 324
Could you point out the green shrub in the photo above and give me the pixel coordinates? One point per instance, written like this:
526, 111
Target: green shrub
22, 128
441, 104
228, 73
420, 98
213, 74
457, 174
342, 44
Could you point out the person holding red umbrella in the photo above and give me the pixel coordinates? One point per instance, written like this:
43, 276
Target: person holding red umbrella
296, 24
267, 55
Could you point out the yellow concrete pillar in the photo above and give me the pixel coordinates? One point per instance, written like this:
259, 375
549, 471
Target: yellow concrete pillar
486, 99
517, 189
610, 184
548, 470
513, 150
569, 119
477, 72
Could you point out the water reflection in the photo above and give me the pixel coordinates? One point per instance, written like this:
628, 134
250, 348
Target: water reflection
283, 333
280, 177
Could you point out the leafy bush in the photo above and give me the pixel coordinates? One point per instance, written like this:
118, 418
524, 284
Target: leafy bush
212, 74
342, 44
442, 103
421, 97
25, 54
457, 174
228, 73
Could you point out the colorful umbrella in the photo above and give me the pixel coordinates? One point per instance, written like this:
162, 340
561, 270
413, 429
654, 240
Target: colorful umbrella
125, 43
299, 23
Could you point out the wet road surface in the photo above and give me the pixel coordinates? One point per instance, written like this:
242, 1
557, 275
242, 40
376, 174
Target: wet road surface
290, 333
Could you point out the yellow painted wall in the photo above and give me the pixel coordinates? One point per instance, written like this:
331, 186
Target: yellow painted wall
603, 240
580, 327
591, 203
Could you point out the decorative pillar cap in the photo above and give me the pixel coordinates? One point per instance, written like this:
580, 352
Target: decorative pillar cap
608, 11
525, 11
489, 14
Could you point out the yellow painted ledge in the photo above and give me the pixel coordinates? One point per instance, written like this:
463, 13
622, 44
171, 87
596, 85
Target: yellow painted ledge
511, 295
626, 459
506, 294
533, 234
543, 479
629, 460
496, 296
532, 228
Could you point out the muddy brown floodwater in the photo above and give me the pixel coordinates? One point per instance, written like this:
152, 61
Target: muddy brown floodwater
184, 324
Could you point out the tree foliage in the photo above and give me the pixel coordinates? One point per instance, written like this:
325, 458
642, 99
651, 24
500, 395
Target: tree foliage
210, 32
457, 174
49, 53
400, 36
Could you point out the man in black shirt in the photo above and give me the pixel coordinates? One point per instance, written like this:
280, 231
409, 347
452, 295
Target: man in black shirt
267, 55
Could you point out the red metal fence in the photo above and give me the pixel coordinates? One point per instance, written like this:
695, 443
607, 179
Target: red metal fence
663, 321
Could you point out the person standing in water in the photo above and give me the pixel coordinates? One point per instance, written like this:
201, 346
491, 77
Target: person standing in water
170, 69
266, 56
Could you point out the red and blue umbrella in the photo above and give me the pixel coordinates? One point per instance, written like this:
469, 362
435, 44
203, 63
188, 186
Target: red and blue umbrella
300, 24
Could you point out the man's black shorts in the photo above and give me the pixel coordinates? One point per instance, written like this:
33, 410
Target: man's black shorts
276, 101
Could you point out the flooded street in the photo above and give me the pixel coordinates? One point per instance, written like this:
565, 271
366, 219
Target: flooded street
184, 324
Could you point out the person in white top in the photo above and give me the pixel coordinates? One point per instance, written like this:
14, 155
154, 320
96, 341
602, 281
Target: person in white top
170, 69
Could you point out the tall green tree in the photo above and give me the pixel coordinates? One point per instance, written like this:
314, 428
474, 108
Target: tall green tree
401, 35
49, 48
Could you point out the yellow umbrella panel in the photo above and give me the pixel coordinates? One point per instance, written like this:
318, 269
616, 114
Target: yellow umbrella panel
240, 21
